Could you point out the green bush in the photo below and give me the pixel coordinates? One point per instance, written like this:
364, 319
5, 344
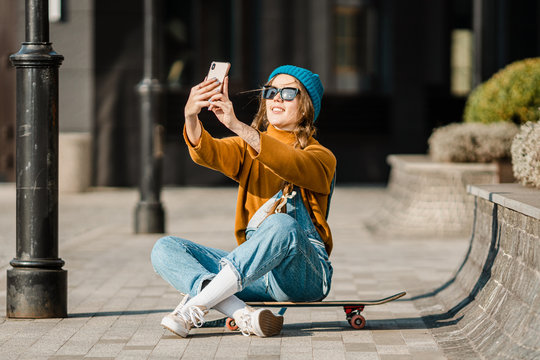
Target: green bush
526, 155
512, 94
472, 142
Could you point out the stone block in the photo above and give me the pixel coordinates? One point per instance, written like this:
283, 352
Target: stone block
533, 228
528, 285
492, 298
530, 340
533, 322
74, 162
490, 347
532, 259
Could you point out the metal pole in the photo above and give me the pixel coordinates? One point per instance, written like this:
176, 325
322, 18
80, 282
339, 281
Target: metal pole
149, 214
37, 285
489, 37
478, 29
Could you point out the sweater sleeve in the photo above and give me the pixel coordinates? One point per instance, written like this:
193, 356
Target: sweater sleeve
225, 155
311, 168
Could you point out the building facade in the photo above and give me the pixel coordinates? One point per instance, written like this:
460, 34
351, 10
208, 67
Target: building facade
392, 70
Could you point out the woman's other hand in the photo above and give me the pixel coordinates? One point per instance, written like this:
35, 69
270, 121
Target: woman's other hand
199, 96
198, 99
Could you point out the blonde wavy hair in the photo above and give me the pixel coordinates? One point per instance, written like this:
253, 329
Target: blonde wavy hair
305, 127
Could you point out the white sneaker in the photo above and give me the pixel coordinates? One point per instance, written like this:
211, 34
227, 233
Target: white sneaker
183, 319
260, 322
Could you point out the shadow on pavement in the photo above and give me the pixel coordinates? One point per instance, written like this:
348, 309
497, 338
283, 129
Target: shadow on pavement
118, 313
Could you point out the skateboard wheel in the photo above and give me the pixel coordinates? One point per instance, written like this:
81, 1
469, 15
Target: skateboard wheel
357, 322
231, 324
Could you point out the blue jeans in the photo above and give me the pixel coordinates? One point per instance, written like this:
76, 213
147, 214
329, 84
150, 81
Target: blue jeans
283, 259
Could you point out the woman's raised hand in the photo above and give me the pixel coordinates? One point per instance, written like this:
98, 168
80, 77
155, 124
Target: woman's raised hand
199, 97
222, 106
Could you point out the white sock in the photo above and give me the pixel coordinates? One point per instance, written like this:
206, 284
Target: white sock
230, 305
220, 288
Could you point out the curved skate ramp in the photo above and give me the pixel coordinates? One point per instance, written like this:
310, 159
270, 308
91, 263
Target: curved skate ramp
491, 308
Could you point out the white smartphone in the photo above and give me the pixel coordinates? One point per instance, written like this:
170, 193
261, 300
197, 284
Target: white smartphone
219, 70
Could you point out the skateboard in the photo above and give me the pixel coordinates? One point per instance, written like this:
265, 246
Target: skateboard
352, 308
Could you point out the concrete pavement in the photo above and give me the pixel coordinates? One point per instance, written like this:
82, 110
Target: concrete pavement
116, 301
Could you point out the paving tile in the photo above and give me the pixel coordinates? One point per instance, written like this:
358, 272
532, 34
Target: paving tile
392, 349
328, 354
33, 357
263, 357
435, 355
105, 350
168, 348
395, 357
388, 338
146, 337
326, 338
296, 356
9, 353
263, 350
133, 354
336, 346
360, 347
362, 356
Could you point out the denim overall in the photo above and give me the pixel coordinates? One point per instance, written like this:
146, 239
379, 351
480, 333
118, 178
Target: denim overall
282, 259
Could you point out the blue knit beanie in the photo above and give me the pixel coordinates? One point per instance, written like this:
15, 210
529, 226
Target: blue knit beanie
311, 82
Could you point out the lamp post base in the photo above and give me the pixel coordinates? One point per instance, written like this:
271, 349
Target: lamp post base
36, 293
149, 218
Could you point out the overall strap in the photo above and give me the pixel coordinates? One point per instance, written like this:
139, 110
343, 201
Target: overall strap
330, 195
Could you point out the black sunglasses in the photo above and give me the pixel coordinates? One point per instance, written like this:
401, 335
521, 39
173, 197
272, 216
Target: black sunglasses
287, 93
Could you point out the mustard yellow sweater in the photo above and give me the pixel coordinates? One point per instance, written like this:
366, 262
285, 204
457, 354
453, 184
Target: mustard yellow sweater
260, 176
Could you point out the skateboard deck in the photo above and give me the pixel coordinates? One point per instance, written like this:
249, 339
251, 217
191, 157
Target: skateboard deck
352, 308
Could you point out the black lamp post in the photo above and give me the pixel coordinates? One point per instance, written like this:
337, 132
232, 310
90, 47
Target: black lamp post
37, 285
149, 214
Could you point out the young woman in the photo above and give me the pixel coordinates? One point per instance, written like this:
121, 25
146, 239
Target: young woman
285, 180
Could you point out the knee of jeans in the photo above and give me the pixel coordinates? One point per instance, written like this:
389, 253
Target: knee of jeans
162, 249
280, 220
283, 225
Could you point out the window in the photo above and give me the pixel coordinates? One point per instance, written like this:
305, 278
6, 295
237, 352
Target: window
355, 46
346, 59
461, 62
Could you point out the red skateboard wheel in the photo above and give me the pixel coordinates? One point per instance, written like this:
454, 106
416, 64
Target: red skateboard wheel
231, 324
357, 322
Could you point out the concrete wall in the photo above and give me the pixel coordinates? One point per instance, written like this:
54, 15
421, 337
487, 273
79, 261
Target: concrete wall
491, 308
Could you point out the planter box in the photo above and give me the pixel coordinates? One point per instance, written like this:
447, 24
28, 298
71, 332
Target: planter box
427, 198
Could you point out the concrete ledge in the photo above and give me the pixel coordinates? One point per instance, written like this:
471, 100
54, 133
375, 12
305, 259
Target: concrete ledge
424, 163
513, 196
427, 198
